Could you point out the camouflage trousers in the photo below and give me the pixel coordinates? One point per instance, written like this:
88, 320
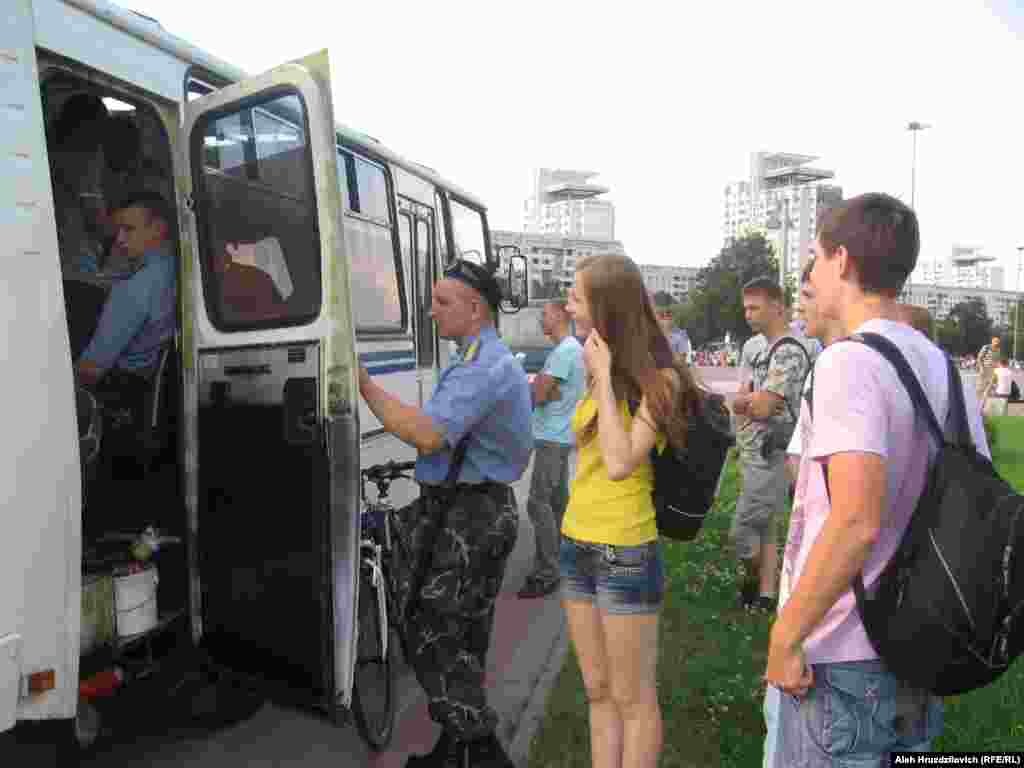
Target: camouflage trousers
446, 593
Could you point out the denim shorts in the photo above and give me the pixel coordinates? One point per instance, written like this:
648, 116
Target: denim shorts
621, 580
853, 716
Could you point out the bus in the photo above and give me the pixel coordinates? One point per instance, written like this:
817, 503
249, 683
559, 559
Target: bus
303, 248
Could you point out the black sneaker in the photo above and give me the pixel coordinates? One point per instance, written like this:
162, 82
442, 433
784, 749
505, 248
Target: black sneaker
748, 596
765, 604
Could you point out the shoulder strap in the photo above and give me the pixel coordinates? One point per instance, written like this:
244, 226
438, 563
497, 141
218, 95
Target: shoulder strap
789, 340
907, 377
809, 394
458, 456
957, 417
891, 352
784, 340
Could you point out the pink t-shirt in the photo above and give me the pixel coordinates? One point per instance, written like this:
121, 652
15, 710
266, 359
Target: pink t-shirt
860, 405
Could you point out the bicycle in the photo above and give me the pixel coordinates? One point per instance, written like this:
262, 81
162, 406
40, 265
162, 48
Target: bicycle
373, 688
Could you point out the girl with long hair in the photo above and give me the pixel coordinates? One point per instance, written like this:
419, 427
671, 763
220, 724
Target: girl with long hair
612, 571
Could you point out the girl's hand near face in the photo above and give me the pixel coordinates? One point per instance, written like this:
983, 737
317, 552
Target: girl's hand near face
597, 356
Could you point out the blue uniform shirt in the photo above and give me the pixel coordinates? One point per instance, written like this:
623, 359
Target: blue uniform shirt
482, 392
138, 317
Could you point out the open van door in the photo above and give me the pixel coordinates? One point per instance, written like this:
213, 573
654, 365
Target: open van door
270, 416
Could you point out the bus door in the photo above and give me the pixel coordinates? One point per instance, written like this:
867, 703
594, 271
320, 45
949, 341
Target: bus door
271, 434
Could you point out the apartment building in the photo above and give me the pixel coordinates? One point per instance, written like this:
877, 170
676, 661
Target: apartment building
940, 299
677, 281
552, 258
568, 203
783, 198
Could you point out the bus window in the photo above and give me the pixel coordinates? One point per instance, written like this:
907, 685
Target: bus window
258, 222
374, 266
442, 240
468, 232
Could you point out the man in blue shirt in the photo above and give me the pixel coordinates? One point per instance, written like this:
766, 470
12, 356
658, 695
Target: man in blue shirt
481, 397
678, 338
138, 317
556, 390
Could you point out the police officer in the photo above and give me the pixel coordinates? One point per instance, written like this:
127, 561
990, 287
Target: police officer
484, 394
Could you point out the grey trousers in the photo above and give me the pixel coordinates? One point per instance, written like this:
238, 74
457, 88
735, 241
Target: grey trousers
549, 495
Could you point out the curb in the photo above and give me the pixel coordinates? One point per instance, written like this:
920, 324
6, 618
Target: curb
533, 712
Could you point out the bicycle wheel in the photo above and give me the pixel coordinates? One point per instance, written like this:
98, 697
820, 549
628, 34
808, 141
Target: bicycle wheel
373, 689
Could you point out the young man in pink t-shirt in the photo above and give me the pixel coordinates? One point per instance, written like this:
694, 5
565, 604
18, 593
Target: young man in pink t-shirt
843, 705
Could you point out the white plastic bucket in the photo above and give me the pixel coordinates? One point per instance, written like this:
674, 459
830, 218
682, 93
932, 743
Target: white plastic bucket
135, 600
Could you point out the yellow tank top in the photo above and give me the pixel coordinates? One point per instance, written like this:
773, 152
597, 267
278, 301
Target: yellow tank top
601, 510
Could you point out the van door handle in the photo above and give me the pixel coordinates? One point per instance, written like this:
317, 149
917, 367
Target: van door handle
247, 370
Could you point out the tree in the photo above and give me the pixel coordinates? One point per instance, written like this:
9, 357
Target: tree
663, 299
716, 305
966, 329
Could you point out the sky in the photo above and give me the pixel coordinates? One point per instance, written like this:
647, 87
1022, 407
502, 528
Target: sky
667, 100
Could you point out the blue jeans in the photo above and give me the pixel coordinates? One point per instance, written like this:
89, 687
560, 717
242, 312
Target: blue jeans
619, 580
854, 715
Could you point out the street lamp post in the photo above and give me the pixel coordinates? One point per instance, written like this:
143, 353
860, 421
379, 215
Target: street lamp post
1016, 307
914, 127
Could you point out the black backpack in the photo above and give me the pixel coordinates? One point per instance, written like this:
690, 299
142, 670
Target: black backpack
1014, 392
947, 611
685, 484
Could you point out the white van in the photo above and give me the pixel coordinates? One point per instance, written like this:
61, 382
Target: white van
303, 248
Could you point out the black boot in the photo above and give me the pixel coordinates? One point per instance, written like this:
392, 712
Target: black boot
442, 755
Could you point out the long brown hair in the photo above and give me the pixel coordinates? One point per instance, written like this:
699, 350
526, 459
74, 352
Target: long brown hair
621, 312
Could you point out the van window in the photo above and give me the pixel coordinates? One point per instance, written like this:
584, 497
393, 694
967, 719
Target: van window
343, 179
256, 210
372, 190
377, 297
468, 232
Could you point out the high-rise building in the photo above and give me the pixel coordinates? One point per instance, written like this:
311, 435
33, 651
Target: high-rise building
965, 267
783, 198
676, 281
566, 203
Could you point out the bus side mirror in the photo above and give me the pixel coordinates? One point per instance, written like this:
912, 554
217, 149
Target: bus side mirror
515, 294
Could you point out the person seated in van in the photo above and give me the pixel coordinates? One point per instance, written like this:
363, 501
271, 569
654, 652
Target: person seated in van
76, 159
254, 281
138, 317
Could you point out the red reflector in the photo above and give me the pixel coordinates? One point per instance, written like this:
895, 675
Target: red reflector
40, 682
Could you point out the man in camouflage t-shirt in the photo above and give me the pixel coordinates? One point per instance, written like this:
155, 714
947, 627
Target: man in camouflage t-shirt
773, 366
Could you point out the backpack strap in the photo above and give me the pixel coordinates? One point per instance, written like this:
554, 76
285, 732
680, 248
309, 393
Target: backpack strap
957, 418
891, 352
918, 399
785, 341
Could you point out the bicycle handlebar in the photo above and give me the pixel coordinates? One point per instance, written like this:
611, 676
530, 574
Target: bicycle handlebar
391, 470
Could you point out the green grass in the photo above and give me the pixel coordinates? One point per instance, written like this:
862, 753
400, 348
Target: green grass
712, 656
